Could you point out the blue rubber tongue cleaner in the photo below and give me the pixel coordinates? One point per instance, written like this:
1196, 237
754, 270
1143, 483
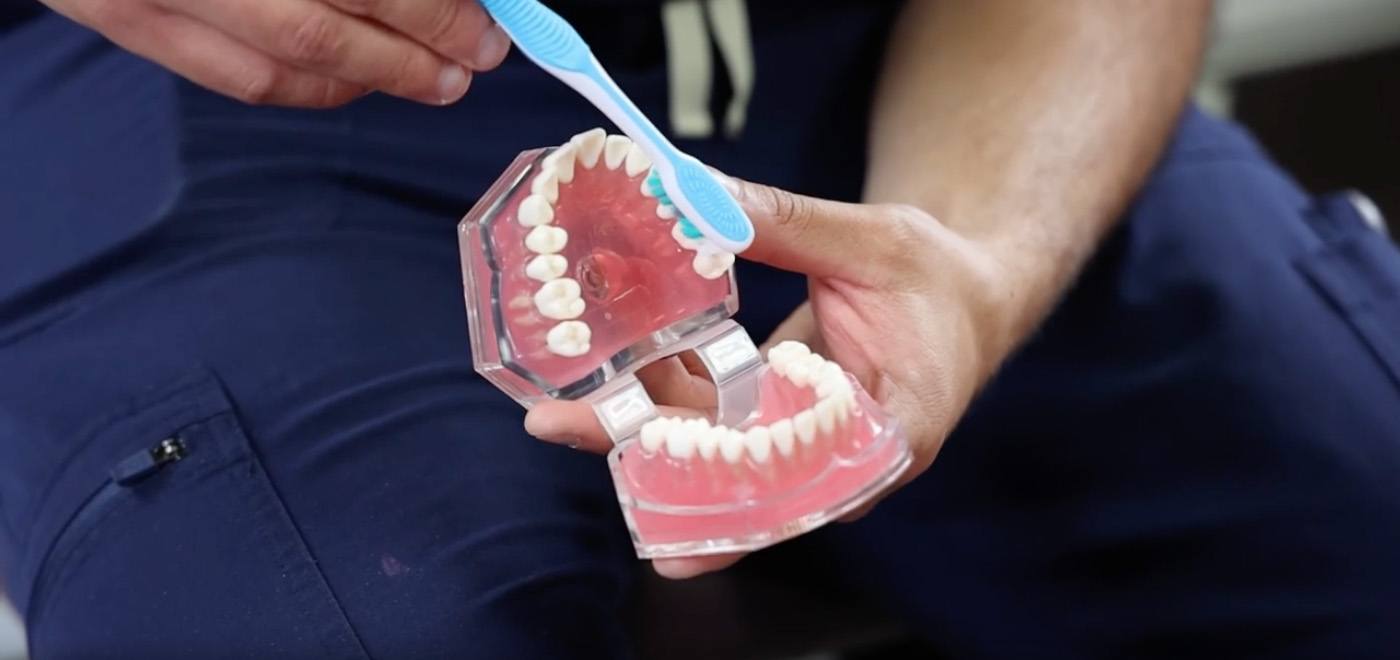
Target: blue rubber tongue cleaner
707, 210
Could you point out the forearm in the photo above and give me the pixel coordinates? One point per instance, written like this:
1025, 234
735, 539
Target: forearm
1027, 126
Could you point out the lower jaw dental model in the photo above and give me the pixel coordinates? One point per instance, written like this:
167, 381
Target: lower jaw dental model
579, 272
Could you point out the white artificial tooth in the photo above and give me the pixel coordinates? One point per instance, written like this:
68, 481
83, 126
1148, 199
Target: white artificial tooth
805, 425
831, 382
783, 437
680, 441
646, 187
560, 299
546, 239
798, 372
712, 265
570, 339
546, 267
562, 161
590, 146
682, 240
534, 211
759, 442
731, 446
709, 441
615, 150
546, 184
826, 415
665, 211
653, 434
844, 402
637, 161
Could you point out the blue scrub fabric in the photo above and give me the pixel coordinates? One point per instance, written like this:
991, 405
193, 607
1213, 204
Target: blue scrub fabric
1198, 455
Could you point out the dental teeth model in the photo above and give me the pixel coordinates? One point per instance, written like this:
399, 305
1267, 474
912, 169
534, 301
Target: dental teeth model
578, 272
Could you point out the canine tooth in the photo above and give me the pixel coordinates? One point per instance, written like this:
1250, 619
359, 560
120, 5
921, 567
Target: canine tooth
826, 415
709, 441
590, 146
653, 436
678, 233
802, 371
783, 437
712, 265
546, 184
731, 446
844, 401
569, 339
759, 443
805, 425
560, 299
680, 440
615, 150
546, 267
665, 211
562, 161
637, 161
534, 211
546, 239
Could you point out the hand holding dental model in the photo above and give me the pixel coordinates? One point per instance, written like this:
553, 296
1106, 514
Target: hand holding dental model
583, 286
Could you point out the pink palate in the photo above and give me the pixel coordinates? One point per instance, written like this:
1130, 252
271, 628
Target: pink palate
636, 279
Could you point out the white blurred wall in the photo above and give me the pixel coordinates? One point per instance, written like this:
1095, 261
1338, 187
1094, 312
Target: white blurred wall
11, 635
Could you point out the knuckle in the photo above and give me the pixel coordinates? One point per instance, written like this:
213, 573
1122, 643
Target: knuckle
314, 40
902, 226
443, 22
791, 212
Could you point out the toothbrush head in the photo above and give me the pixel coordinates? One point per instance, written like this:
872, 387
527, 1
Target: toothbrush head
705, 206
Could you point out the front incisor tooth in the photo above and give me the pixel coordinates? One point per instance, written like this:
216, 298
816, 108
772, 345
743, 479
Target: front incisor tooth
653, 436
570, 339
759, 442
709, 441
665, 211
637, 161
731, 446
615, 151
562, 161
590, 146
826, 415
560, 299
534, 211
680, 441
546, 239
681, 239
804, 424
783, 437
546, 184
712, 265
546, 267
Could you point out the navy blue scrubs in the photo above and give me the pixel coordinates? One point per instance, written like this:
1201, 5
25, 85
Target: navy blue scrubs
1198, 455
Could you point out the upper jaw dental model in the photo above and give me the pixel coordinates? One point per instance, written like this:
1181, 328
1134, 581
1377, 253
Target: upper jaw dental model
579, 272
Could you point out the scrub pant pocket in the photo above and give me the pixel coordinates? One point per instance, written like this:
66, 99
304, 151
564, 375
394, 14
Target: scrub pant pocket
178, 461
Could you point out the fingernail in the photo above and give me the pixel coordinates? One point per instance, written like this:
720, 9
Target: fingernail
452, 83
491, 49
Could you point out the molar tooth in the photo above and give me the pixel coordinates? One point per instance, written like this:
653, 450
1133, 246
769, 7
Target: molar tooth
709, 441
546, 184
637, 161
546, 267
570, 339
826, 415
665, 211
546, 239
712, 265
759, 443
731, 446
534, 211
680, 441
590, 146
653, 436
615, 150
562, 160
805, 425
560, 299
782, 433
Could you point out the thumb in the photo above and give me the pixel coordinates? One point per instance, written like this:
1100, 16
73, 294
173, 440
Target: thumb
807, 235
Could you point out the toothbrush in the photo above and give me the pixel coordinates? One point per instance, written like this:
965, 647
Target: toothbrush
550, 42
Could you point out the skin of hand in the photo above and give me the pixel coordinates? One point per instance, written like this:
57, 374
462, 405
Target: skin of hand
306, 53
1025, 127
